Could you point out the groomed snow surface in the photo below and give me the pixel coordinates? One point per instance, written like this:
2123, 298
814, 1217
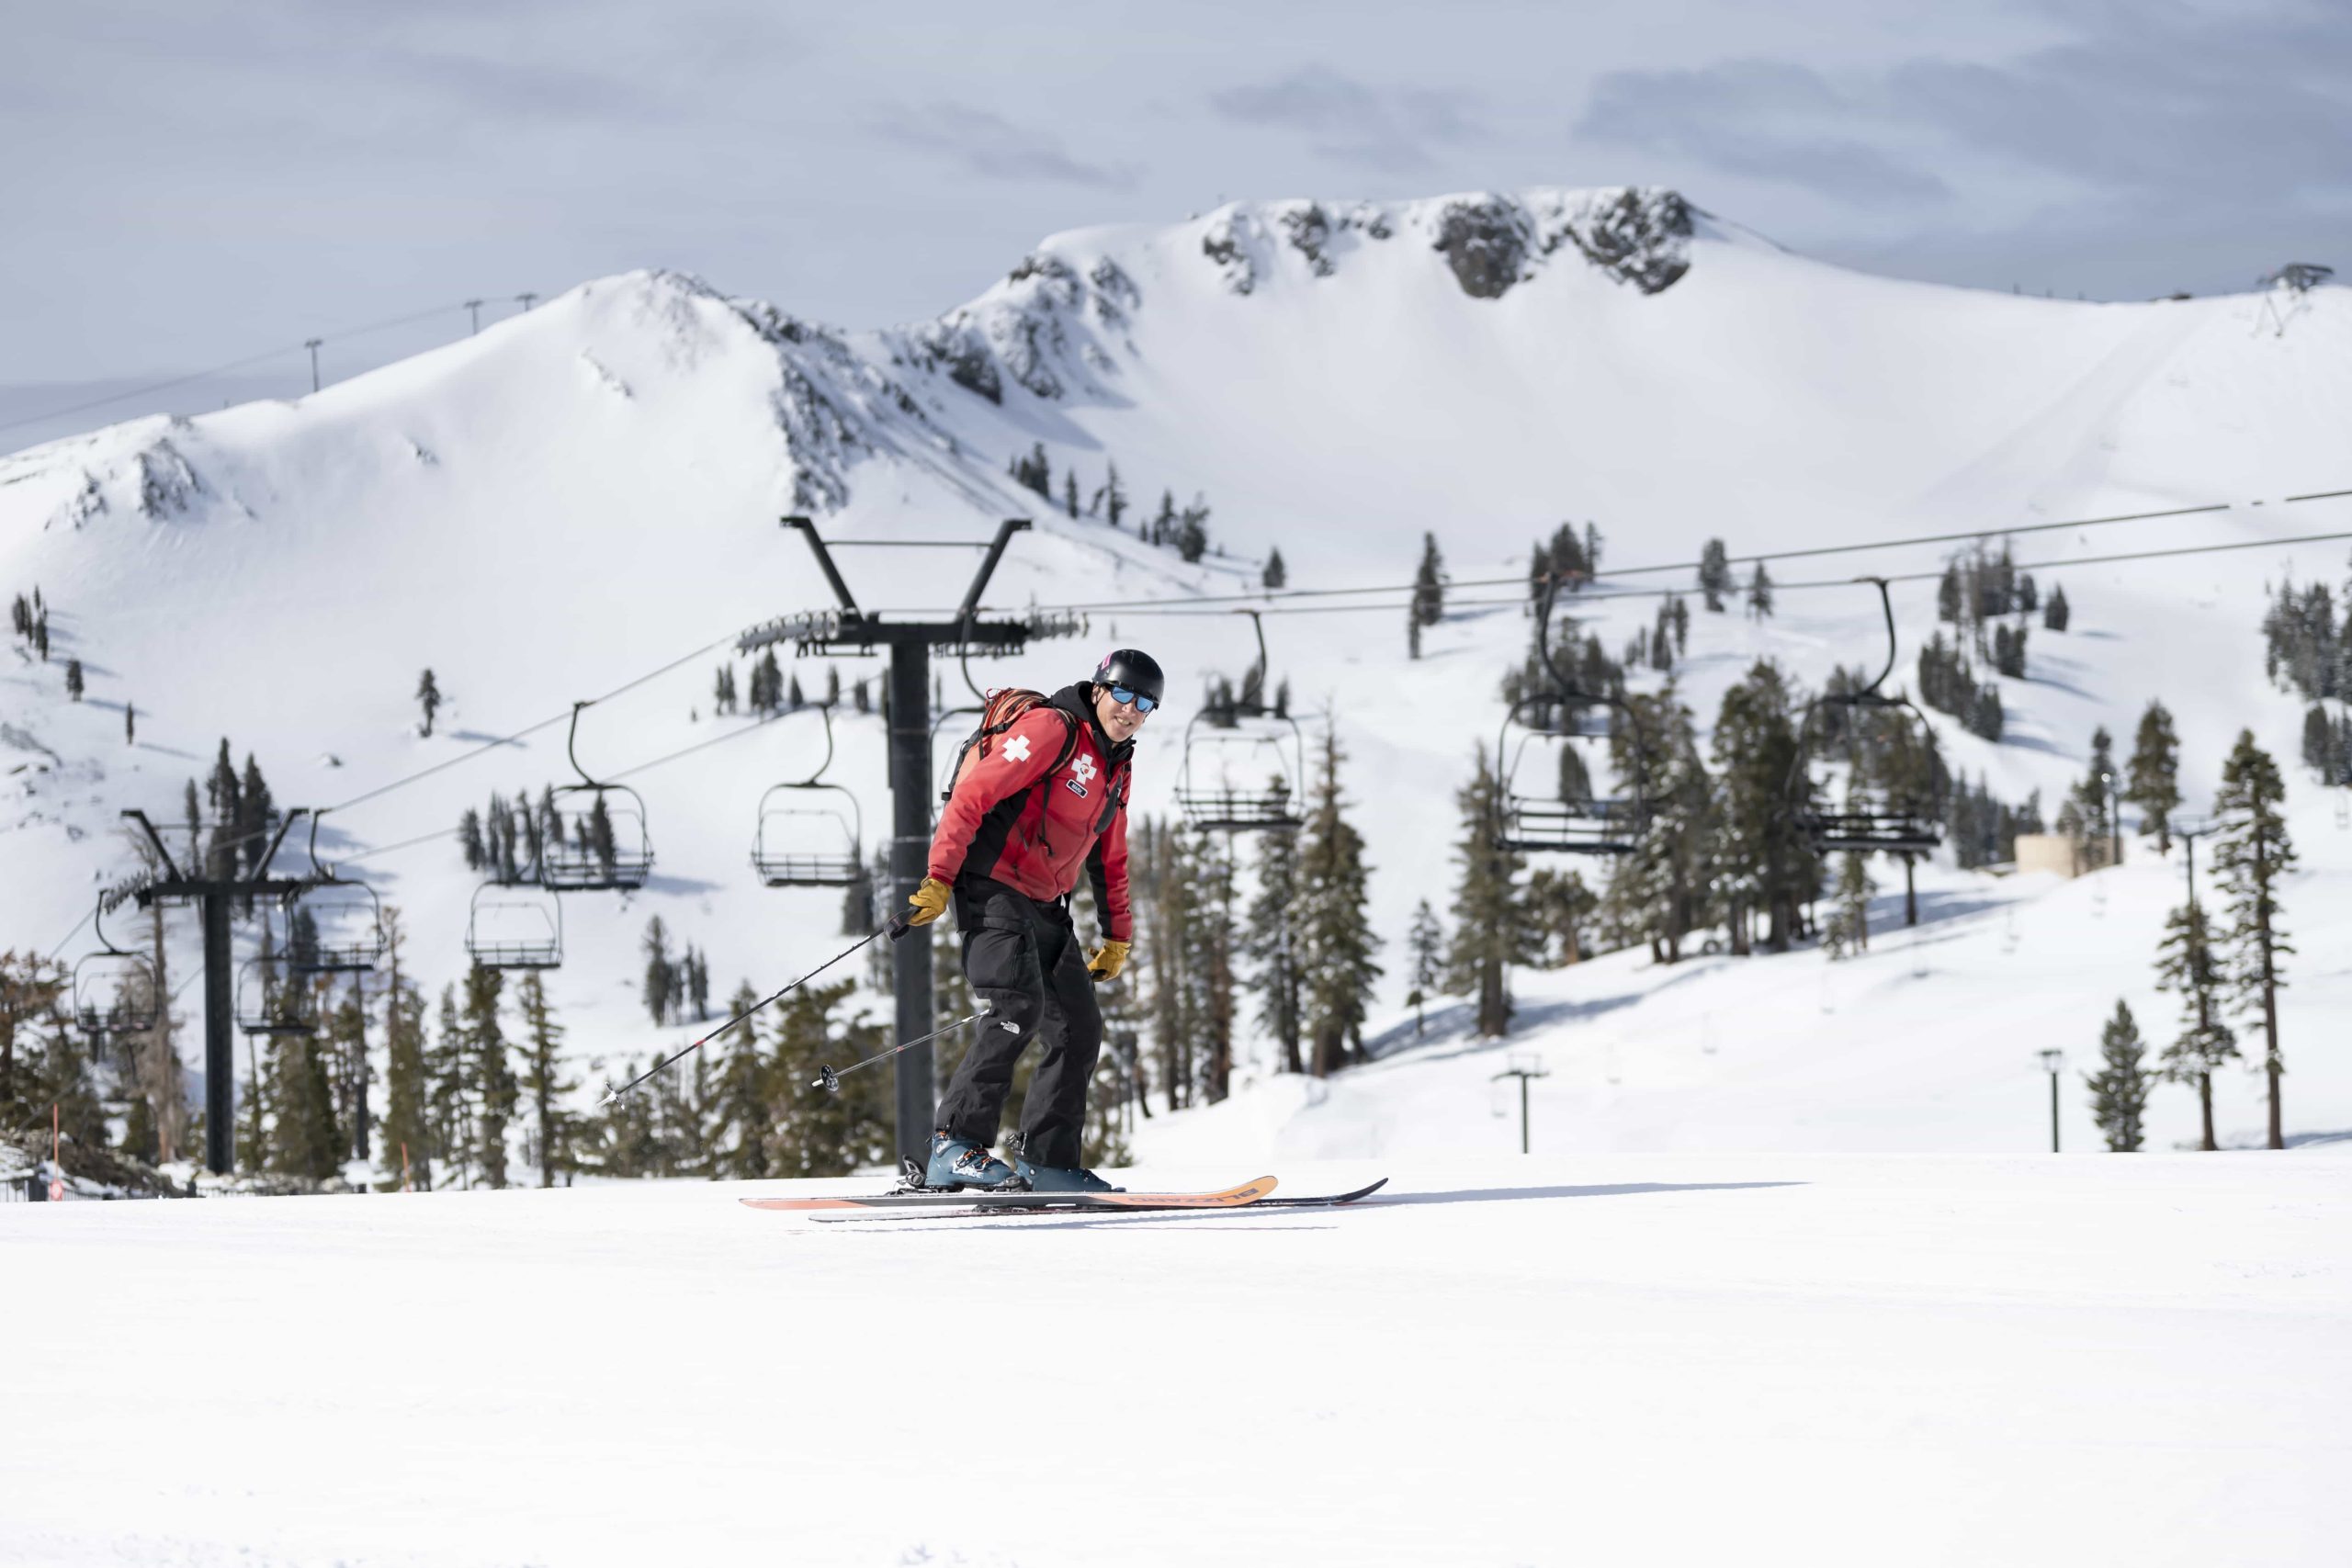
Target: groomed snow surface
1927, 1359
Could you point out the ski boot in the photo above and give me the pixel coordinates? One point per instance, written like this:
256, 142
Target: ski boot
958, 1162
1056, 1178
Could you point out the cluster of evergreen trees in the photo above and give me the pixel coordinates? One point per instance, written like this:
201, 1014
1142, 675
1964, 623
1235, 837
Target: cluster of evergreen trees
676, 988
30, 618
506, 839
2305, 648
771, 690
1185, 530
1948, 683
2222, 965
244, 817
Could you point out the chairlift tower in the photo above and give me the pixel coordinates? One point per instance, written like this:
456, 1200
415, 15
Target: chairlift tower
850, 631
216, 896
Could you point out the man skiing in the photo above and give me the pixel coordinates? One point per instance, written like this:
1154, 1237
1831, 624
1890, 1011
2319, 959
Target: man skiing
1032, 805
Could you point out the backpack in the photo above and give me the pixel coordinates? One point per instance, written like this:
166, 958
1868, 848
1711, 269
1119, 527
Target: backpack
1004, 707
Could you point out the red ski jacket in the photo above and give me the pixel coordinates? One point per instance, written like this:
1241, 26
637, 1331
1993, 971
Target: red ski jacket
1007, 820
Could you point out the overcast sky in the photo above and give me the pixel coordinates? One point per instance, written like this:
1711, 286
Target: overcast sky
191, 182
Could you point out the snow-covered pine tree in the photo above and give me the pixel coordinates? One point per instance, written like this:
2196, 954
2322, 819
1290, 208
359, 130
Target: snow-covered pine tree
1668, 887
544, 1079
1069, 493
1769, 862
1276, 574
2119, 1089
73, 680
496, 1091
1425, 942
1490, 932
303, 1141
1558, 904
2252, 853
1847, 930
1715, 580
2054, 611
1112, 495
406, 1133
2154, 780
1335, 936
348, 1034
1192, 536
428, 697
1759, 593
2187, 964
740, 1142
449, 1099
1428, 584
660, 989
1268, 941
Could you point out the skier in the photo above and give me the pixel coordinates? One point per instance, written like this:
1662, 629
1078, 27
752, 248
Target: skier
1037, 805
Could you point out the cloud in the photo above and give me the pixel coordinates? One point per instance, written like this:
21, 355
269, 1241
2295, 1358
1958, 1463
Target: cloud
2146, 103
1762, 119
1388, 129
988, 144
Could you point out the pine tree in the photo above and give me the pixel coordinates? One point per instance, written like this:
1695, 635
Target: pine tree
1276, 575
1488, 934
2252, 854
1412, 632
407, 1132
2119, 1089
544, 1079
496, 1090
1848, 929
1113, 496
1759, 593
1426, 943
2155, 786
1208, 963
73, 678
449, 1098
1557, 904
1428, 584
1715, 574
1163, 525
303, 1141
2187, 964
1268, 942
1335, 939
130, 724
428, 696
2054, 612
1769, 862
1192, 536
1069, 493
660, 987
2085, 813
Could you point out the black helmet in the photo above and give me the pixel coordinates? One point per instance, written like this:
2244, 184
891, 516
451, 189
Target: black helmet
1132, 668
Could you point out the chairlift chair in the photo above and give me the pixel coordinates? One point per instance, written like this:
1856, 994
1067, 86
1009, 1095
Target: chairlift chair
274, 1000
113, 992
811, 833
1244, 769
573, 861
1872, 821
346, 922
1556, 823
511, 926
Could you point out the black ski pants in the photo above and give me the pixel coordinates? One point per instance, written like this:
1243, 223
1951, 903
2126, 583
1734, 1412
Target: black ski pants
1023, 956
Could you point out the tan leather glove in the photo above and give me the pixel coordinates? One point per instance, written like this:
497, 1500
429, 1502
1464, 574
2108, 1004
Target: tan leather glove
1105, 961
928, 901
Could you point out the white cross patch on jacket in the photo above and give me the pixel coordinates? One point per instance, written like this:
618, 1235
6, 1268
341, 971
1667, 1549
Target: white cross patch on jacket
1084, 769
1017, 749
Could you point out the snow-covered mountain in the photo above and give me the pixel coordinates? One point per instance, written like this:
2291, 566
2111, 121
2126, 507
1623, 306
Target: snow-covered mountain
582, 493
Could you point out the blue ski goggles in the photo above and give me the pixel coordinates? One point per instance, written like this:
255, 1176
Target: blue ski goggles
1127, 695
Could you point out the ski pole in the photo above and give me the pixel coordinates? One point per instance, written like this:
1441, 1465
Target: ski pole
830, 1081
896, 926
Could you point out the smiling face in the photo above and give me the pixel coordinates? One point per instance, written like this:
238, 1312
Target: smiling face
1119, 720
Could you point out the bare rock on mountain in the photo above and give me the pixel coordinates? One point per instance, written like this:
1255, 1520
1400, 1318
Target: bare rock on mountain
1485, 242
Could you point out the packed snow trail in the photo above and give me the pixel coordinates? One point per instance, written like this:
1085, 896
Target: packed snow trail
1659, 1359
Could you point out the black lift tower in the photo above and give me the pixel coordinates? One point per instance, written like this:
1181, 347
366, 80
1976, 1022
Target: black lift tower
848, 630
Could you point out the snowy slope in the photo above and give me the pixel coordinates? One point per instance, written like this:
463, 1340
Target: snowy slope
590, 491
1672, 1358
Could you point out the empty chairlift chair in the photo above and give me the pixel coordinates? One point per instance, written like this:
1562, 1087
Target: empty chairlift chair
598, 840
1245, 764
1555, 727
515, 927
334, 926
272, 999
113, 992
810, 834
1888, 806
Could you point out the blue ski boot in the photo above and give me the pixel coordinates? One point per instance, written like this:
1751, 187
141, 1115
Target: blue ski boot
1054, 1179
959, 1162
